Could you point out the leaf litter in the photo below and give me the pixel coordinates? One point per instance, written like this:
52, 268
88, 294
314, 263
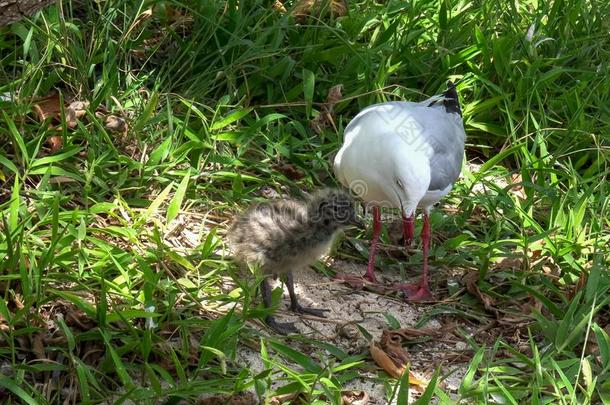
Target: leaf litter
50, 108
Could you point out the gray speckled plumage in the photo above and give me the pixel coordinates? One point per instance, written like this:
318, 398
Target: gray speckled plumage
287, 235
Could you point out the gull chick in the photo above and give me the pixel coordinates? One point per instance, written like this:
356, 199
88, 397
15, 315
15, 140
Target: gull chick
283, 236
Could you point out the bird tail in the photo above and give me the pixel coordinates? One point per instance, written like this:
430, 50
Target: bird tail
451, 100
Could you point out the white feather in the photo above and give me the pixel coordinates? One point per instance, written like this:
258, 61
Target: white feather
402, 154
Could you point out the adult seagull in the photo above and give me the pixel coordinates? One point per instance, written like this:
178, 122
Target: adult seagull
403, 155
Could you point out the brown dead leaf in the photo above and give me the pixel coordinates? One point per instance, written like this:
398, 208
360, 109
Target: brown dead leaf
509, 263
292, 398
75, 111
38, 347
4, 327
55, 143
319, 8
392, 357
354, 398
18, 301
391, 343
326, 117
348, 331
47, 107
244, 398
471, 279
415, 333
278, 6
289, 170
385, 362
334, 96
76, 317
115, 124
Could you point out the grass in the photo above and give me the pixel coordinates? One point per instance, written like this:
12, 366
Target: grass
101, 299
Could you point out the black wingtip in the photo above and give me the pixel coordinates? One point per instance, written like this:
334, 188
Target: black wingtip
452, 102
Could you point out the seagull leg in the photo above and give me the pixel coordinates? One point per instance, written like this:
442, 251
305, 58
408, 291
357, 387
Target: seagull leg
294, 303
279, 327
420, 291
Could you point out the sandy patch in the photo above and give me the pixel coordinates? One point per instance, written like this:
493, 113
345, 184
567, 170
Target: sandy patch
348, 307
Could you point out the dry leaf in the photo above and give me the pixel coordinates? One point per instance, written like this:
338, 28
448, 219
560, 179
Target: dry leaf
47, 107
75, 111
319, 8
325, 119
55, 143
18, 301
278, 6
334, 96
470, 280
4, 327
38, 347
392, 357
289, 170
244, 398
391, 343
354, 398
348, 331
115, 124
292, 398
385, 362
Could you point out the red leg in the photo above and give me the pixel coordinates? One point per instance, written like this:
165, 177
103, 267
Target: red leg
420, 291
407, 229
369, 275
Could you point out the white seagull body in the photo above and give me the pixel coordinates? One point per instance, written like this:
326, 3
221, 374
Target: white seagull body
403, 155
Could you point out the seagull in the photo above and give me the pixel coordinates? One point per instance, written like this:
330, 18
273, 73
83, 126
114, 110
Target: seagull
288, 235
405, 155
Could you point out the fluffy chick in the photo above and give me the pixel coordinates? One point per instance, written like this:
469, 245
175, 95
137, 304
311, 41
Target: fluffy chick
288, 235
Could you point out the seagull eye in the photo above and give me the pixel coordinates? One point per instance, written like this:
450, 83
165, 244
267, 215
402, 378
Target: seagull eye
399, 184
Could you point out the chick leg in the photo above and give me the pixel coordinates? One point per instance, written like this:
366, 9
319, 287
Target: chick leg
283, 328
294, 303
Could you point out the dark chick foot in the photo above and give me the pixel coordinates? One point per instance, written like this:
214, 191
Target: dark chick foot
310, 311
283, 328
415, 292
